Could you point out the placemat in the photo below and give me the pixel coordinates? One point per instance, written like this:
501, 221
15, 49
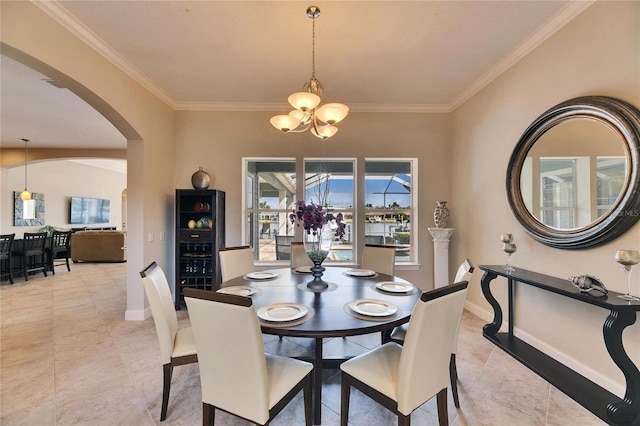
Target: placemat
256, 294
285, 324
392, 293
354, 314
361, 277
257, 280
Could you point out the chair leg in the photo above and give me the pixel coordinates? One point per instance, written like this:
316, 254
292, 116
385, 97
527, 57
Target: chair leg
453, 375
208, 414
441, 401
166, 387
404, 420
306, 394
68, 267
344, 399
24, 269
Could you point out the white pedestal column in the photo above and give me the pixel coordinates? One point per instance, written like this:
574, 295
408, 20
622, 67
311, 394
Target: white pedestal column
441, 237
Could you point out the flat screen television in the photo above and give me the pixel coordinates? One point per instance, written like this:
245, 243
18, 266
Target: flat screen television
89, 210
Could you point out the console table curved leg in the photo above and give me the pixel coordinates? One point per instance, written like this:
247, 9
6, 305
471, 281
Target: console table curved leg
626, 411
492, 328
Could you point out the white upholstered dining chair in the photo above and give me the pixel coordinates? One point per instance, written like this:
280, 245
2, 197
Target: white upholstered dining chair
177, 346
379, 258
398, 334
402, 378
299, 256
236, 375
235, 261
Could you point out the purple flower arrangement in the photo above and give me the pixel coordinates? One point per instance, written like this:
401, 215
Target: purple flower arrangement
313, 218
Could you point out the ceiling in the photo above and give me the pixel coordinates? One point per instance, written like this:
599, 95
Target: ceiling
402, 56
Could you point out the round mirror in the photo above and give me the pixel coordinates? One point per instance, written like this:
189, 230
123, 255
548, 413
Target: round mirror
573, 179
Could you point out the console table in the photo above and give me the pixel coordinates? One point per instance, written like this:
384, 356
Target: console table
596, 399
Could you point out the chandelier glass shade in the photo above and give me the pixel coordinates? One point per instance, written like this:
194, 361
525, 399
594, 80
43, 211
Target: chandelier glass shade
308, 115
25, 195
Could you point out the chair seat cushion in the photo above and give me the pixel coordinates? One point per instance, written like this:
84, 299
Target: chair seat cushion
184, 343
284, 374
377, 369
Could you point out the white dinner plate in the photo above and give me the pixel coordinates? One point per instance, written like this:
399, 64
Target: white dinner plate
303, 269
373, 307
361, 272
394, 287
281, 312
239, 290
266, 275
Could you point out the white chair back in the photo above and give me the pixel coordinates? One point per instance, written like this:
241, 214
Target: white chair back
464, 272
299, 255
379, 258
158, 294
233, 366
235, 261
424, 363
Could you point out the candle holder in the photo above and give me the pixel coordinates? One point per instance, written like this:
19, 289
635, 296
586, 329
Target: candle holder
628, 258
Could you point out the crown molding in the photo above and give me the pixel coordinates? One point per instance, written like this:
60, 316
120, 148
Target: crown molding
56, 11
283, 108
557, 21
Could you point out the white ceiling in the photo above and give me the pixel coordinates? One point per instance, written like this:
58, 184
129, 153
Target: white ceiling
250, 55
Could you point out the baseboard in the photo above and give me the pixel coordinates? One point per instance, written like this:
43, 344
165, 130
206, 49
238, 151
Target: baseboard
137, 314
602, 381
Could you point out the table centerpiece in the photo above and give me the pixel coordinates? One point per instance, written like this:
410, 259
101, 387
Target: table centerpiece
321, 228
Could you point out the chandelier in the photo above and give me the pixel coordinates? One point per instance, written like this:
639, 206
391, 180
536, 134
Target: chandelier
25, 195
307, 114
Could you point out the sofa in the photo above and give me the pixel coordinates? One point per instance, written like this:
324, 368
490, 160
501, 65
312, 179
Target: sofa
98, 246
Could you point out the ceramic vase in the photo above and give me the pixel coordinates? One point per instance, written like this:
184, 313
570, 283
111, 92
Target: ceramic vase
200, 179
441, 214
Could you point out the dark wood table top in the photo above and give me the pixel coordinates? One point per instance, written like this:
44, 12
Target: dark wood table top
329, 317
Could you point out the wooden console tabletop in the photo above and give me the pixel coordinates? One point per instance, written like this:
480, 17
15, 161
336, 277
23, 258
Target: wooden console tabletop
596, 399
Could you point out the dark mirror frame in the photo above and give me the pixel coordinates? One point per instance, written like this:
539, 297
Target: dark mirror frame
624, 119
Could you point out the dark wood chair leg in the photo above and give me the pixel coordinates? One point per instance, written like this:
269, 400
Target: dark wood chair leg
68, 267
306, 394
24, 269
345, 390
208, 414
453, 375
404, 420
167, 370
441, 400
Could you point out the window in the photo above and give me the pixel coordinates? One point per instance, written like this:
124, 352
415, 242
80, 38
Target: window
389, 205
558, 195
269, 197
330, 183
389, 190
610, 179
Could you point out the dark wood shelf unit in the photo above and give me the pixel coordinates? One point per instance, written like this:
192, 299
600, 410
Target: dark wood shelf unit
196, 249
602, 403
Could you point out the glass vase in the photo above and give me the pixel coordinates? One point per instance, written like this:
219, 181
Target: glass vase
318, 247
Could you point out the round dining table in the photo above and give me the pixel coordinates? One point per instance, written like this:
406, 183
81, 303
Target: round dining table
355, 302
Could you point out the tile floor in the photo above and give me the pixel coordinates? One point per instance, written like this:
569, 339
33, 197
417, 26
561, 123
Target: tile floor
69, 358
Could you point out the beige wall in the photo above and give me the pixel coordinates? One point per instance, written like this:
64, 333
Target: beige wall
583, 58
59, 181
30, 36
219, 140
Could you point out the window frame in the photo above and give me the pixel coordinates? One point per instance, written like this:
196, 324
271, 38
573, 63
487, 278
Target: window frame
359, 211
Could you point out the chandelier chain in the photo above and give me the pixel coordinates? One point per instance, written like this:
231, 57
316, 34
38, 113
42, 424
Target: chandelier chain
313, 47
